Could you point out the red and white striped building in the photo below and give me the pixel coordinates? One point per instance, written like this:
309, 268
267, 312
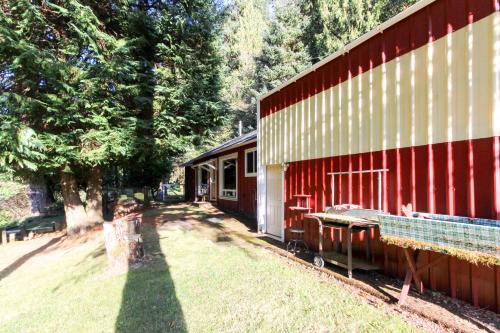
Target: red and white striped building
419, 96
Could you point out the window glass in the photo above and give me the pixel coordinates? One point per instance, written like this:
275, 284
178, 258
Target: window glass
229, 174
251, 162
204, 177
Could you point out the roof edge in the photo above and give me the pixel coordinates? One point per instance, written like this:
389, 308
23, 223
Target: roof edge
239, 141
363, 38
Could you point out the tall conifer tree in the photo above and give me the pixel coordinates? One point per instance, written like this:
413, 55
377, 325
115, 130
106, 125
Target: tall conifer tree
242, 41
335, 23
87, 84
62, 108
284, 53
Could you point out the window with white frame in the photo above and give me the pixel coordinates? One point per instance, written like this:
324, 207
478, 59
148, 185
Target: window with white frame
228, 174
251, 162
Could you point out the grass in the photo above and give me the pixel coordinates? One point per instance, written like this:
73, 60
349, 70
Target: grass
137, 195
192, 284
175, 190
37, 221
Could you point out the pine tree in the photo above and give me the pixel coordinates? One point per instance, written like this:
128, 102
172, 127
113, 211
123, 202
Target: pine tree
335, 23
61, 104
242, 41
91, 84
284, 53
179, 82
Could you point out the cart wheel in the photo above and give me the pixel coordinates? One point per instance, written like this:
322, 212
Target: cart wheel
319, 261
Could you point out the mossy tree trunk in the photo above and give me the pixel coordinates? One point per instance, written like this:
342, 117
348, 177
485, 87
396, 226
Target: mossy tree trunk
76, 216
94, 196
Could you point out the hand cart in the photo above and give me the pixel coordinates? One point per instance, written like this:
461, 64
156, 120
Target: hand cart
350, 224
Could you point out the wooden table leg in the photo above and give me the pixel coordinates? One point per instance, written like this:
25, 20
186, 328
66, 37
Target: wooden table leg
320, 246
413, 267
406, 287
349, 252
411, 273
338, 243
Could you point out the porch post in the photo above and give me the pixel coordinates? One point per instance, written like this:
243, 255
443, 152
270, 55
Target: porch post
261, 180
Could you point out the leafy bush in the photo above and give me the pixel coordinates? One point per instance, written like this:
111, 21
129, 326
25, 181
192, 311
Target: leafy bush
9, 187
13, 200
4, 219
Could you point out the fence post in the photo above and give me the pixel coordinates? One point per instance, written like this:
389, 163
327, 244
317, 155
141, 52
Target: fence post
5, 237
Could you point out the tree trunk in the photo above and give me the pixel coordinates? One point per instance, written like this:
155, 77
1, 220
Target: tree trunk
37, 194
94, 196
76, 217
123, 243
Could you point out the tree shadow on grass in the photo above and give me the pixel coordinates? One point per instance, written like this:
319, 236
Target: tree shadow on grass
20, 261
149, 301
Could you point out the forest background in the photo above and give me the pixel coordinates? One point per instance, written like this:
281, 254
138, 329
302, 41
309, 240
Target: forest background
99, 94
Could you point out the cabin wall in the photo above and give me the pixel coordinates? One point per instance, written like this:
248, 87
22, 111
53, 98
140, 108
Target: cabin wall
189, 184
246, 202
247, 186
420, 99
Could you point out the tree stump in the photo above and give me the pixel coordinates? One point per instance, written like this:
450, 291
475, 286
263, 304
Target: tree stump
123, 242
11, 238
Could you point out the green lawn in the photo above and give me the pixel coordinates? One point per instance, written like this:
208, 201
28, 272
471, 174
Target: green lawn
193, 284
38, 221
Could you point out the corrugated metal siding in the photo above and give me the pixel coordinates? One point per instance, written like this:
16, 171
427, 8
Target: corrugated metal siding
421, 99
427, 25
410, 180
444, 91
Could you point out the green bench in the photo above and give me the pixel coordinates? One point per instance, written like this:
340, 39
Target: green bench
31, 225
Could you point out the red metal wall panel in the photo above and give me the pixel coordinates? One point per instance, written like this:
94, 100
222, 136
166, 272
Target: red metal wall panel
416, 175
247, 188
429, 24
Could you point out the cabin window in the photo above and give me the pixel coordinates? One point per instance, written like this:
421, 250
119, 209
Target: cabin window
228, 167
251, 162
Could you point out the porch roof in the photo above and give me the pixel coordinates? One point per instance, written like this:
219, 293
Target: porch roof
238, 141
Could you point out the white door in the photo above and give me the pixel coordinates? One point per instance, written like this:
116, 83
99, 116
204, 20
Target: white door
274, 204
